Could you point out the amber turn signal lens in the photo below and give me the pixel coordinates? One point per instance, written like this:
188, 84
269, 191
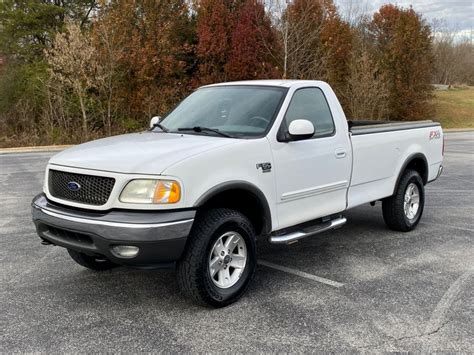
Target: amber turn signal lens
167, 191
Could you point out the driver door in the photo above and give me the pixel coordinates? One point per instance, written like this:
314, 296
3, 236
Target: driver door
312, 175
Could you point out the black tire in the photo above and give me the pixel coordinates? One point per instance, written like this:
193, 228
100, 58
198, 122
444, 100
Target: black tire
393, 206
194, 278
91, 262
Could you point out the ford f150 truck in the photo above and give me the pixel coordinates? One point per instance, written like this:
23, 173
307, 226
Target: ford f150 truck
231, 163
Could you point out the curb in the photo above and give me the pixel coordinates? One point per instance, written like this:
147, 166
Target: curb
46, 148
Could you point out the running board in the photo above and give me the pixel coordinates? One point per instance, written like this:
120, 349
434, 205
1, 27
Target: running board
308, 231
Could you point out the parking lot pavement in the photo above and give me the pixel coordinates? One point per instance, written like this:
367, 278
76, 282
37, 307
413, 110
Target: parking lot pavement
392, 291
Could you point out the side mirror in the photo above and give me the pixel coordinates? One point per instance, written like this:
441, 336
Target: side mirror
155, 119
301, 129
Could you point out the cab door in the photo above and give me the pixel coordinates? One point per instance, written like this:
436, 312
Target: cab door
312, 175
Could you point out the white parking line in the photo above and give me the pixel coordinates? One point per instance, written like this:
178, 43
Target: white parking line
438, 317
301, 274
437, 190
447, 225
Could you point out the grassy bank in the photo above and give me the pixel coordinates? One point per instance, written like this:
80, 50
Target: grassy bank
455, 107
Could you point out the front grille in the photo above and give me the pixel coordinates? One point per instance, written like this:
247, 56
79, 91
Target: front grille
90, 189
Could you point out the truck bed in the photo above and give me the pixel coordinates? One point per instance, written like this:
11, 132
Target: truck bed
379, 150
357, 127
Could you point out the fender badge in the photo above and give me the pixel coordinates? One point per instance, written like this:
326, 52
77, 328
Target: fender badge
266, 167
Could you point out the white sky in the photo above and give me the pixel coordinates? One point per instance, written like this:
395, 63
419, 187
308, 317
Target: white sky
458, 15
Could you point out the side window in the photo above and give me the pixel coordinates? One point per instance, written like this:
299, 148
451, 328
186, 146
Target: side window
310, 104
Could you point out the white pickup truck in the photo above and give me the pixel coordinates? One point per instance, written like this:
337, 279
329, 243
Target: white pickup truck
232, 163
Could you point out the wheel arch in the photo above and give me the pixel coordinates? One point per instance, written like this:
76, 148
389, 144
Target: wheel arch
417, 162
235, 194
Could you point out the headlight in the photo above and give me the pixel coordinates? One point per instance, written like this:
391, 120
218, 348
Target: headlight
151, 191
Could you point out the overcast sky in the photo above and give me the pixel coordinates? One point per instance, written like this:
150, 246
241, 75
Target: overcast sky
458, 14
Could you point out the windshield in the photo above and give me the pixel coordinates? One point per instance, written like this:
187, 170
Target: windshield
239, 111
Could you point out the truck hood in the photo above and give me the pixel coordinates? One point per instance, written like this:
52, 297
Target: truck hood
139, 153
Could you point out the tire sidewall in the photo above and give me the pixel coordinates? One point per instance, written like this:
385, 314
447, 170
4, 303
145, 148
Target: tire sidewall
416, 179
223, 296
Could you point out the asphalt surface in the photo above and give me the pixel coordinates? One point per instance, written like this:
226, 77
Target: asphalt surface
398, 291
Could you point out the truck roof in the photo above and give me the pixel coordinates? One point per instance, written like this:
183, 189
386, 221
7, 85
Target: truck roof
274, 82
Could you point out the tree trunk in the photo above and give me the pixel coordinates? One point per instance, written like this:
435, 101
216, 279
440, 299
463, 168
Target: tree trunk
109, 119
85, 129
285, 54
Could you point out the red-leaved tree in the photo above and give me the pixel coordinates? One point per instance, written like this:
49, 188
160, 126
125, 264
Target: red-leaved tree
150, 49
253, 40
214, 32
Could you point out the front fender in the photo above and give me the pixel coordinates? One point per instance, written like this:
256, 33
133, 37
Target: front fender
231, 166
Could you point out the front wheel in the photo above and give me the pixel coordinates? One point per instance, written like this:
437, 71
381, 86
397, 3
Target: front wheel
220, 258
403, 210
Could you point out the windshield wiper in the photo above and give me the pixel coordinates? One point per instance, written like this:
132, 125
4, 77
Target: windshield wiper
160, 126
205, 129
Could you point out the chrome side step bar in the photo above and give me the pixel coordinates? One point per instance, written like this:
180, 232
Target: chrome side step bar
308, 231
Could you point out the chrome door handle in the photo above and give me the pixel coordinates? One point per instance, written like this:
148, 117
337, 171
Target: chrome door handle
340, 153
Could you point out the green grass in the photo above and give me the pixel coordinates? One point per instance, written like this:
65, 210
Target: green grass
455, 107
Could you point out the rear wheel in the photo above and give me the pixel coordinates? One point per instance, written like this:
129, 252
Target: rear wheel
91, 262
403, 210
220, 258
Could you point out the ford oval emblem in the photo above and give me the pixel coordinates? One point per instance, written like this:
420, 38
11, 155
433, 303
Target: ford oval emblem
73, 186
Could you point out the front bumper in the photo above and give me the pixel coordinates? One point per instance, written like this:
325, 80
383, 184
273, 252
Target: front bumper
160, 236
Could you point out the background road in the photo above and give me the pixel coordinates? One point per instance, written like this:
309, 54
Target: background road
399, 291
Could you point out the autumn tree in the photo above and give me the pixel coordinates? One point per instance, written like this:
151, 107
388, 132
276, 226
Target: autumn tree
300, 27
73, 63
366, 92
336, 37
315, 41
150, 48
252, 42
106, 41
454, 56
27, 28
214, 26
404, 54
118, 62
